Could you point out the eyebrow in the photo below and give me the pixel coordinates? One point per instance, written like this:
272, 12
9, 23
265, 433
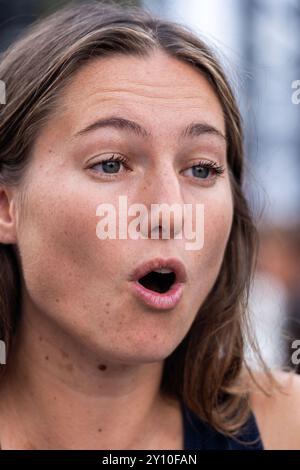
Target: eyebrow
194, 129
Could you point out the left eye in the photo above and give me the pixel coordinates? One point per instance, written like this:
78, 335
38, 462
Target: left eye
204, 170
200, 171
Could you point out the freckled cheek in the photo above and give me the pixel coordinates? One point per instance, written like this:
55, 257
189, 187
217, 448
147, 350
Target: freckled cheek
217, 224
60, 228
75, 237
207, 261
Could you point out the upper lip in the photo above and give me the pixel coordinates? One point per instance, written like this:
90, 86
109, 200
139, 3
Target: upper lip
171, 263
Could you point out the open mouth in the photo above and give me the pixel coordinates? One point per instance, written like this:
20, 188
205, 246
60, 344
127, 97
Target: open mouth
159, 280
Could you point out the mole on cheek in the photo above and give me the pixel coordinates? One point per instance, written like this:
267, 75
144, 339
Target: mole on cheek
99, 430
102, 367
47, 358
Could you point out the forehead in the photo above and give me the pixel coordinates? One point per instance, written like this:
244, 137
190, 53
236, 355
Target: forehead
157, 90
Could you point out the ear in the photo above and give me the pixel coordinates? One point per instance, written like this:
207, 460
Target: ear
7, 216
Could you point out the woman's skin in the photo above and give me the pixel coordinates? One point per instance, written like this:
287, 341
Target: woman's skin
87, 362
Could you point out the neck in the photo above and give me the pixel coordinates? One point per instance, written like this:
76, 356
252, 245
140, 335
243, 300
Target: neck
58, 394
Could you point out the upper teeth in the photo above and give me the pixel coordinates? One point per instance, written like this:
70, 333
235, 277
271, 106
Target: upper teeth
163, 270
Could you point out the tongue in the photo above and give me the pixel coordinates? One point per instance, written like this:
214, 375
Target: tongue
157, 282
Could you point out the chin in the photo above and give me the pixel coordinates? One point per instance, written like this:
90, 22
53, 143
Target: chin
143, 354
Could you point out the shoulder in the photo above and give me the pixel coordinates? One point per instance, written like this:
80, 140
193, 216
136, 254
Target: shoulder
276, 408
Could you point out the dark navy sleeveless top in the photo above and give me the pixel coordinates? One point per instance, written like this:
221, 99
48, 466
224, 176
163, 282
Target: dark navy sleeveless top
200, 436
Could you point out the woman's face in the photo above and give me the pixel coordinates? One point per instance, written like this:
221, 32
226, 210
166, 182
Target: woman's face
79, 282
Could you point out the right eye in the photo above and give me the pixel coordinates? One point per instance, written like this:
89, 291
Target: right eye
111, 166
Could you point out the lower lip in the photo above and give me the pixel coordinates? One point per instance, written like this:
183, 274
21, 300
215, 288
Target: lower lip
158, 300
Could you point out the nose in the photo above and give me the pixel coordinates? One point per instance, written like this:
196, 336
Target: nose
162, 196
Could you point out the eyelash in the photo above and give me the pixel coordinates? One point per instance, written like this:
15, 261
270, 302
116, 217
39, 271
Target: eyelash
113, 158
218, 169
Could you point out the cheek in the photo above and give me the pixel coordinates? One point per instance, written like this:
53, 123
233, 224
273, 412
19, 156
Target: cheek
218, 221
217, 233
59, 249
218, 214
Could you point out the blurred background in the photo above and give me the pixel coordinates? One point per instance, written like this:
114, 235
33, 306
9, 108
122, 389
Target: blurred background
258, 43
